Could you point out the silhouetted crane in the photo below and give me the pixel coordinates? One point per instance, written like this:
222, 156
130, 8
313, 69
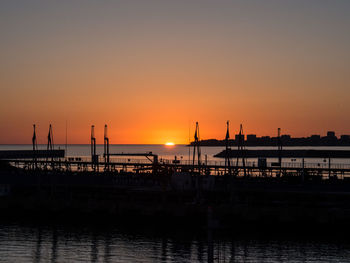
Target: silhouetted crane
279, 146
197, 147
94, 158
241, 150
35, 146
106, 148
50, 144
227, 152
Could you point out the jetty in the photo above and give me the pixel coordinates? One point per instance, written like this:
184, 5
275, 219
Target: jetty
132, 185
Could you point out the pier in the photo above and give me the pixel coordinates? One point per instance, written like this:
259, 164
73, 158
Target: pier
237, 163
323, 170
233, 189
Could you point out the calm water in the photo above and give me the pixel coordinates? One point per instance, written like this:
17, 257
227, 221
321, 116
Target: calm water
168, 152
23, 243
182, 152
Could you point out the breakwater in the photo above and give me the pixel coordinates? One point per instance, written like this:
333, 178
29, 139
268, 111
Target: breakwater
297, 153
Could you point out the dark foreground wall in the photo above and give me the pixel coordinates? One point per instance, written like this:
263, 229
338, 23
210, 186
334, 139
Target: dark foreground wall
253, 201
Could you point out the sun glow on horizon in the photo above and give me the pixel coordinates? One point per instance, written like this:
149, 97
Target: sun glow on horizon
169, 144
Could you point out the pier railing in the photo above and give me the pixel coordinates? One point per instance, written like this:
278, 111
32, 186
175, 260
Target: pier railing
211, 163
216, 167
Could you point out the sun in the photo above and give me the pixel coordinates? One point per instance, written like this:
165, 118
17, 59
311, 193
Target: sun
169, 144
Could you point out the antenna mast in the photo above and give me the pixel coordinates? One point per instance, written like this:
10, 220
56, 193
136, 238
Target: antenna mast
106, 148
35, 146
227, 152
93, 148
50, 144
66, 135
241, 150
279, 146
197, 147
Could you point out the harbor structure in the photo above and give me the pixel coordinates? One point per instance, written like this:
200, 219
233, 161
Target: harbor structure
119, 184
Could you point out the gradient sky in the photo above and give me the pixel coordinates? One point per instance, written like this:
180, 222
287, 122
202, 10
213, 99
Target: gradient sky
150, 69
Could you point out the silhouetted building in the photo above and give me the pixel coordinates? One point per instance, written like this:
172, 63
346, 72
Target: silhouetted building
237, 137
286, 140
330, 139
251, 138
331, 134
345, 139
315, 137
265, 140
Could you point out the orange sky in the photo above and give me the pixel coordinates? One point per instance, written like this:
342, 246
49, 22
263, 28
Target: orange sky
150, 71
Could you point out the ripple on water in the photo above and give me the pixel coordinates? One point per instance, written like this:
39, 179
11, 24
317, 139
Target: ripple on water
19, 243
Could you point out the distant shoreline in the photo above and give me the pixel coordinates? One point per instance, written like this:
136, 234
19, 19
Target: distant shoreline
295, 142
98, 144
234, 145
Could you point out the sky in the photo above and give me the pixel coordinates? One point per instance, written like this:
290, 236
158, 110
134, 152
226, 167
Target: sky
151, 69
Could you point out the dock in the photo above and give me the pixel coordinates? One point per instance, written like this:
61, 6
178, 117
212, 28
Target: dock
233, 191
161, 166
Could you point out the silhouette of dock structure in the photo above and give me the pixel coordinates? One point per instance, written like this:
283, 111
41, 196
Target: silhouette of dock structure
143, 184
236, 162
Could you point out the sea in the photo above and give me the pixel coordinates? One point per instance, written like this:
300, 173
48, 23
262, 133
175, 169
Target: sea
39, 242
23, 241
180, 152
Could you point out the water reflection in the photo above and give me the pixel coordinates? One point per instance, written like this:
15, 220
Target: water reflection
23, 243
94, 248
107, 249
37, 251
54, 246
